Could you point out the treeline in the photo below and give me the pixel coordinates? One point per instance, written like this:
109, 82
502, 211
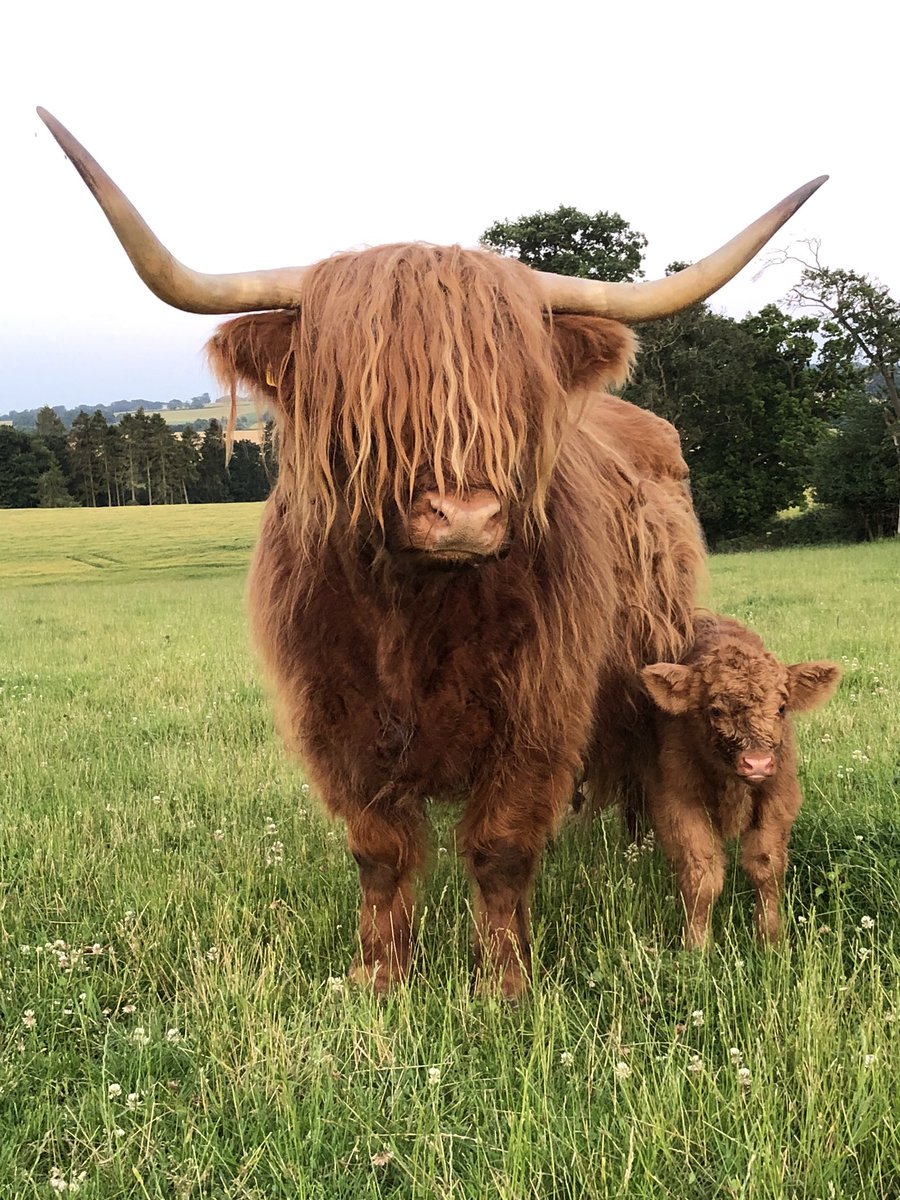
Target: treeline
137, 460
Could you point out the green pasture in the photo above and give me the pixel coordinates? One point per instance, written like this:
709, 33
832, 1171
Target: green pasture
177, 917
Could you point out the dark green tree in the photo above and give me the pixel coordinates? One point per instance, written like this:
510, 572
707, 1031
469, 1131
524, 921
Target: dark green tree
855, 467
569, 242
861, 323
52, 491
210, 485
23, 460
746, 398
85, 450
247, 478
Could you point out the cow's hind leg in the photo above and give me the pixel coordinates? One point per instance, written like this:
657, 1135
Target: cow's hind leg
388, 854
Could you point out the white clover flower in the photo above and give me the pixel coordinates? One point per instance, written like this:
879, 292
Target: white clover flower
566, 1058
274, 854
744, 1076
697, 1018
218, 835
271, 827
734, 1054
139, 1036
867, 922
173, 1036
212, 953
868, 1060
696, 1064
434, 1075
382, 1158
336, 983
114, 1091
29, 1020
863, 953
621, 1070
133, 1100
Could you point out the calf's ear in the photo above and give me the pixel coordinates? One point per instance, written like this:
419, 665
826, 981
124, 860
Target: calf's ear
254, 352
811, 684
592, 351
669, 685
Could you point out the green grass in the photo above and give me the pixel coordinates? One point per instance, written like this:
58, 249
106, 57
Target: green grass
163, 869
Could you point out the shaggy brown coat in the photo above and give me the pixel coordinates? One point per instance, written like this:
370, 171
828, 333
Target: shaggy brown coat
726, 765
497, 683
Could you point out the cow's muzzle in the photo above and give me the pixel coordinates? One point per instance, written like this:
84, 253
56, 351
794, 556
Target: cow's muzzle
458, 527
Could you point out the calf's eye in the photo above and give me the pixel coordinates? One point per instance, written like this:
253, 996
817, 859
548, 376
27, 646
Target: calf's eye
782, 710
715, 711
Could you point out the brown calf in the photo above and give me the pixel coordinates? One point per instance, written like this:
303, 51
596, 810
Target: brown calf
726, 765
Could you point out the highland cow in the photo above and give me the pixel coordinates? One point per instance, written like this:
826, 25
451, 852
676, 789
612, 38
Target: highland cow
725, 765
471, 549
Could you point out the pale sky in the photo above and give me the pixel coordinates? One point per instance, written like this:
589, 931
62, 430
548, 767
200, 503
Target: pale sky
268, 134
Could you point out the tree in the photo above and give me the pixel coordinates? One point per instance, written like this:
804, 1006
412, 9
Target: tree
210, 485
51, 488
861, 321
247, 478
569, 242
23, 460
855, 468
748, 402
85, 449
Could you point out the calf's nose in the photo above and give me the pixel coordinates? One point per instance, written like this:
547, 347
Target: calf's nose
756, 766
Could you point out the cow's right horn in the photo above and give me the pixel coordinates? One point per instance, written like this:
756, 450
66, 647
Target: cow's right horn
171, 280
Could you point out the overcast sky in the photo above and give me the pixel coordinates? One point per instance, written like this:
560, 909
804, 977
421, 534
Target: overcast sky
265, 134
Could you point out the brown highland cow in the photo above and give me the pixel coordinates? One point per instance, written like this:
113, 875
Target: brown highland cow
471, 549
726, 765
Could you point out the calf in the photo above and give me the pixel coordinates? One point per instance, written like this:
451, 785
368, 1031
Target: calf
726, 765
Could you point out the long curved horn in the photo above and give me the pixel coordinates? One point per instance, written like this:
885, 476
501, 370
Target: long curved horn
171, 280
647, 301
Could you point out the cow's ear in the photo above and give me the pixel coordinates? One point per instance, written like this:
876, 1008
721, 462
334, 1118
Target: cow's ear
592, 351
669, 685
253, 352
810, 684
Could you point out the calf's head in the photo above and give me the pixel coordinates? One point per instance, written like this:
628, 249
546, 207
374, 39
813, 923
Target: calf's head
737, 698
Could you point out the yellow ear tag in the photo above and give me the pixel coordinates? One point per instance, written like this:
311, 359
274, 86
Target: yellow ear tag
270, 378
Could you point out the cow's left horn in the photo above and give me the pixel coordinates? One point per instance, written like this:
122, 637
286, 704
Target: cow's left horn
634, 302
171, 280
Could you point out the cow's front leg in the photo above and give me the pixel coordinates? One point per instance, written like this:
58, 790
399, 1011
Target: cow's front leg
503, 847
388, 853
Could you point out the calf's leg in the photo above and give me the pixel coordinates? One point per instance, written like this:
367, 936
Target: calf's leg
388, 853
697, 853
764, 857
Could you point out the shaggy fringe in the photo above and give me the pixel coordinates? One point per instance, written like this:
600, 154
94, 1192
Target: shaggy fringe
409, 364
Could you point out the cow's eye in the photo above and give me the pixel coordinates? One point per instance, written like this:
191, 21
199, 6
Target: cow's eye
782, 710
715, 711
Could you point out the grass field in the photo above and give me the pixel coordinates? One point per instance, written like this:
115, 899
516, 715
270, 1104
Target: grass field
176, 919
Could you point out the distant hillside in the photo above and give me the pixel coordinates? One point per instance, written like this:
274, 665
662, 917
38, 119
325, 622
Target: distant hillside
200, 409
